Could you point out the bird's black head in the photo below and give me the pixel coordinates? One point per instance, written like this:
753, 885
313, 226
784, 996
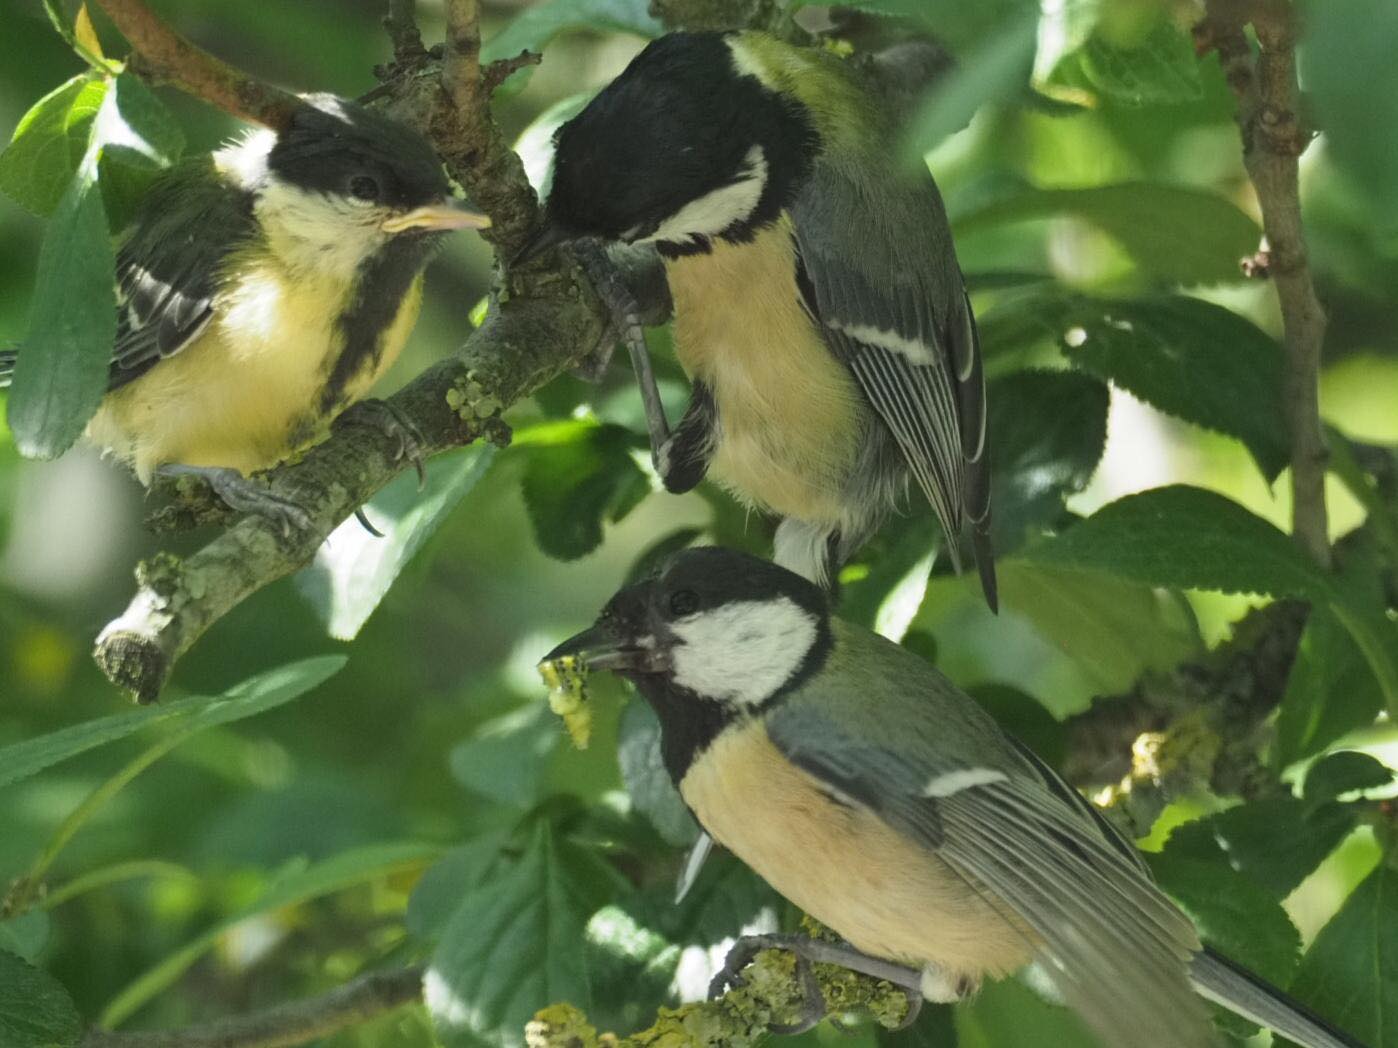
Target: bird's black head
338, 147
713, 637
681, 148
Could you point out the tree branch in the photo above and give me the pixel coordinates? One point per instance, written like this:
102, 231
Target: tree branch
167, 56
284, 1025
1273, 138
401, 25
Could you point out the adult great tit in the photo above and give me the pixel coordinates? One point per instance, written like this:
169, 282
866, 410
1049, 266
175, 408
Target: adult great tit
875, 795
263, 289
819, 308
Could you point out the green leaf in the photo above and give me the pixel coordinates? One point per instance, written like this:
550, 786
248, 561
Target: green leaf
578, 474
1333, 689
507, 760
252, 696
1151, 63
26, 934
1344, 772
1352, 83
1234, 914
1350, 973
1191, 359
1007, 1014
647, 782
1024, 717
61, 373
514, 946
1116, 629
1176, 234
135, 127
450, 880
1047, 432
1189, 538
353, 570
1277, 842
534, 27
49, 143
994, 71
35, 1010
630, 966
293, 885
935, 1028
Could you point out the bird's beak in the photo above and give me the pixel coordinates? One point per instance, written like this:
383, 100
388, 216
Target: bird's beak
545, 237
600, 647
439, 217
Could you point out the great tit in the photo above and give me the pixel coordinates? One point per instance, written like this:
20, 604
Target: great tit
820, 312
882, 800
263, 288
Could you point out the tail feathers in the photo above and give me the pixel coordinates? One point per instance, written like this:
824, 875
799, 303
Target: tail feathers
1248, 995
8, 356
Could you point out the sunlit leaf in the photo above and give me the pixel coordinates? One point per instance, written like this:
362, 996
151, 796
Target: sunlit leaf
354, 570
1149, 63
61, 373
579, 474
1190, 538
252, 696
513, 946
1345, 772
49, 143
1352, 83
1175, 233
535, 26
35, 1010
1350, 973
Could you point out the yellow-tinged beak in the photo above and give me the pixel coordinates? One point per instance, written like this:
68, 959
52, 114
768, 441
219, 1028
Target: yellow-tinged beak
440, 217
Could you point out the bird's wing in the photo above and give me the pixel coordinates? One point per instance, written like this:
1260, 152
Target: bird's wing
879, 275
169, 267
933, 767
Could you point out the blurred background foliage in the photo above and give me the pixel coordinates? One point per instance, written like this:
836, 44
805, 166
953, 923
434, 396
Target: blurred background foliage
1092, 170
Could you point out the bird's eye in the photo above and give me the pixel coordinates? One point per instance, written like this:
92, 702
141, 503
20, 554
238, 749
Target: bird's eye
684, 602
362, 187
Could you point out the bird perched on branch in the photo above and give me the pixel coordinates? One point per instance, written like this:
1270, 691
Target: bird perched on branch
262, 289
819, 308
882, 800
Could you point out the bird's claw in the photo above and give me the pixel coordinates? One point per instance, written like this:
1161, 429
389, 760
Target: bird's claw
245, 495
397, 426
741, 954
623, 313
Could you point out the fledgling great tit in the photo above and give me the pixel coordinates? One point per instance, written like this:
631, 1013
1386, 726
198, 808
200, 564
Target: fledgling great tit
882, 800
819, 308
262, 289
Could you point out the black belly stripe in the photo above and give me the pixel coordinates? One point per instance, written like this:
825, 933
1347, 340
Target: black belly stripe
383, 280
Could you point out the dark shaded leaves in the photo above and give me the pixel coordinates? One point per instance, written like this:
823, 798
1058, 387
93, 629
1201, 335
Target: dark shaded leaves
35, 1009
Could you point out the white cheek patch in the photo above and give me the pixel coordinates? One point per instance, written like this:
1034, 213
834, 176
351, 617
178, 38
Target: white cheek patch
951, 782
714, 212
245, 159
912, 349
744, 651
317, 233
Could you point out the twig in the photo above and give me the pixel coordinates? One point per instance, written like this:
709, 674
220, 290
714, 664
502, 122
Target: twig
1273, 137
166, 55
470, 142
284, 1025
401, 23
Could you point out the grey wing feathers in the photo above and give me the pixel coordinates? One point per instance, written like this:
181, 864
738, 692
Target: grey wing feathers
879, 274
8, 356
168, 267
1113, 945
